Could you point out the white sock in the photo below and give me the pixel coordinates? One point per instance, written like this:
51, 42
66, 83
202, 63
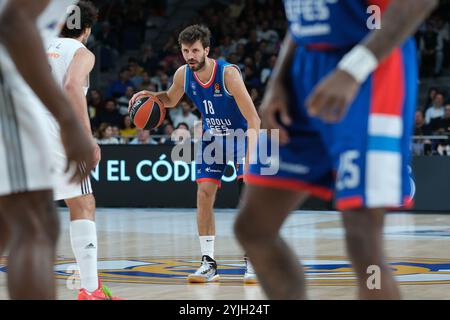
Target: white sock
83, 237
207, 245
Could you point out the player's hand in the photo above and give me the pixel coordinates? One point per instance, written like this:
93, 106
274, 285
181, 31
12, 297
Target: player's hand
332, 96
275, 102
137, 96
80, 150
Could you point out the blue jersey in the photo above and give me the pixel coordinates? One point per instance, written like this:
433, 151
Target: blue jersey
220, 112
330, 23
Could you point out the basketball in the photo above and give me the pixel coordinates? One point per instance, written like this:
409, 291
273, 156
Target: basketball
147, 113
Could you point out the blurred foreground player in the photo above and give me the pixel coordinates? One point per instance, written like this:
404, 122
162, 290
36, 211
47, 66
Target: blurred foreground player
218, 91
345, 96
71, 63
28, 218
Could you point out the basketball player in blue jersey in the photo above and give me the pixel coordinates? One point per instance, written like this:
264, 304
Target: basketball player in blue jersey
217, 89
343, 97
28, 219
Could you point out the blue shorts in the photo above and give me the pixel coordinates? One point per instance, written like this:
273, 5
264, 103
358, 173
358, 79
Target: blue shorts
363, 160
223, 153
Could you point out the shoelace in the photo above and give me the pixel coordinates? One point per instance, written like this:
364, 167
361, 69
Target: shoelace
204, 268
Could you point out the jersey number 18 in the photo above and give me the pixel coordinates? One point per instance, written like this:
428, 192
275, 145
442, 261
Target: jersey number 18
208, 107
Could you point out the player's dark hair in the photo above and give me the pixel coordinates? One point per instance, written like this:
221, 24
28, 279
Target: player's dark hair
193, 33
88, 16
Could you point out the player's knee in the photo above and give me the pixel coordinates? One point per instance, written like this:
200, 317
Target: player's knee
38, 222
205, 195
246, 229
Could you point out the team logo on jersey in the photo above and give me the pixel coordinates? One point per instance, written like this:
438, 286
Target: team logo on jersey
213, 170
319, 271
194, 88
53, 55
217, 90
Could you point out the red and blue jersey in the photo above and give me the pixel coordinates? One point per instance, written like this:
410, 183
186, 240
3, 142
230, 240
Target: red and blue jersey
220, 112
331, 23
222, 119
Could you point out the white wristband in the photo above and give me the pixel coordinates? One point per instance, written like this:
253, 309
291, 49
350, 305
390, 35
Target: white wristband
360, 62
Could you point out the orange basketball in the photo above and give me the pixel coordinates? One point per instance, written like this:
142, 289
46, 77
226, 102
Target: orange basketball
147, 113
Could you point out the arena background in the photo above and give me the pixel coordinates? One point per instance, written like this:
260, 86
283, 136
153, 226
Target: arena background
135, 43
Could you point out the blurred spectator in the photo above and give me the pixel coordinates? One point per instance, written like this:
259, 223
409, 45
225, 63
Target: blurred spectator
227, 46
146, 82
105, 135
119, 87
250, 78
420, 127
164, 84
258, 62
109, 115
267, 71
109, 47
437, 109
128, 130
116, 134
267, 34
420, 146
428, 45
149, 60
443, 39
168, 131
441, 125
95, 103
430, 97
252, 44
136, 72
124, 101
143, 137
106, 36
183, 114
181, 133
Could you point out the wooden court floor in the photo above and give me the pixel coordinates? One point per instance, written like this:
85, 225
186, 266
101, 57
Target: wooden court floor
147, 254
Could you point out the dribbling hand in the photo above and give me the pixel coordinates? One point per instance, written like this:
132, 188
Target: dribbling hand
137, 96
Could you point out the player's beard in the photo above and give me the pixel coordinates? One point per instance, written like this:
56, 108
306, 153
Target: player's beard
200, 66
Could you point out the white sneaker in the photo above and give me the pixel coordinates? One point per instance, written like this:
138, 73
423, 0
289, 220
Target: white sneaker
206, 273
250, 274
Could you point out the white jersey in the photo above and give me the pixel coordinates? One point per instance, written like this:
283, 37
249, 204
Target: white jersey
49, 24
61, 52
24, 147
